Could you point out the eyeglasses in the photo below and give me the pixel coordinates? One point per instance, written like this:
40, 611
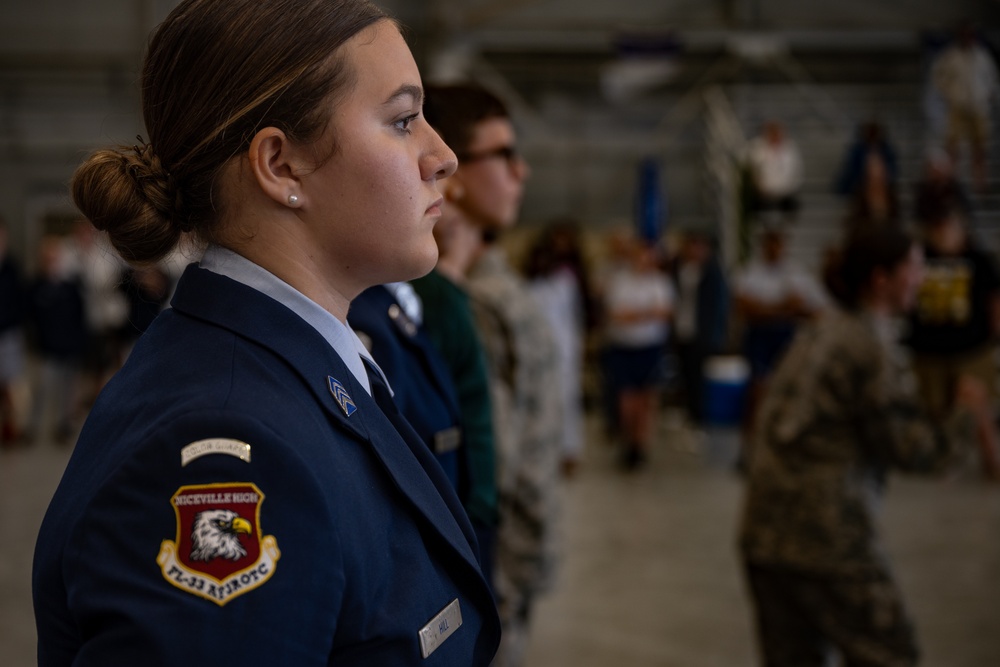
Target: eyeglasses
508, 153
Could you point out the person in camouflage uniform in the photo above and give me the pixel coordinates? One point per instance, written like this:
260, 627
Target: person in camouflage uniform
527, 411
484, 197
840, 412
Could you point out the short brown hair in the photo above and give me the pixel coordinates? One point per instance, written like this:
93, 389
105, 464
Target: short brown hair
454, 111
850, 267
216, 72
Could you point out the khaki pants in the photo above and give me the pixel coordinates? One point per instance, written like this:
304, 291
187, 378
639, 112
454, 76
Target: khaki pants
937, 376
967, 124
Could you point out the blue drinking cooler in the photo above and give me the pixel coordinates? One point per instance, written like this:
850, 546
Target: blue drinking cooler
726, 382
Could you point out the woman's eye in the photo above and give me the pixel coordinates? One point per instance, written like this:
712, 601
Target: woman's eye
403, 124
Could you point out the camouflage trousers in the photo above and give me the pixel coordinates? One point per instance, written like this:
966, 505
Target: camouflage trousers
514, 606
802, 619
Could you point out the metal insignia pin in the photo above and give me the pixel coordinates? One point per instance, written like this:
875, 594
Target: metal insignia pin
402, 321
340, 395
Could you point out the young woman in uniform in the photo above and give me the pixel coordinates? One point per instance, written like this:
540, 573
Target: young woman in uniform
244, 491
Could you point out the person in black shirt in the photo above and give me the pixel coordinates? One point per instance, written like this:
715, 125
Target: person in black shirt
954, 327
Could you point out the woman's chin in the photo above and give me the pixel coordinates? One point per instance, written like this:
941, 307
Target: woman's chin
418, 265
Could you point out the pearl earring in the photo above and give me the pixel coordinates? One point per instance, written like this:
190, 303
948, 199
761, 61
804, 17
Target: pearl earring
292, 200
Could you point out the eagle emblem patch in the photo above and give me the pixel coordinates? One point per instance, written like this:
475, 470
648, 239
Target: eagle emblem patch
219, 553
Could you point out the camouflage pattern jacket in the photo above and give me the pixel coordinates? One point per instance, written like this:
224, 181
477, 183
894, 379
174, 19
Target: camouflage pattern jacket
525, 393
840, 411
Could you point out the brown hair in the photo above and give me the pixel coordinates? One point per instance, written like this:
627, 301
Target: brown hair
849, 269
216, 71
455, 110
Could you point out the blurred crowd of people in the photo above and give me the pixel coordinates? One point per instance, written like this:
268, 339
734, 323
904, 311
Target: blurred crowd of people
76, 316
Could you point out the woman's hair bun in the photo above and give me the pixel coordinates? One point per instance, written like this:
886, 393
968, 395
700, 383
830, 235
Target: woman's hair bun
126, 192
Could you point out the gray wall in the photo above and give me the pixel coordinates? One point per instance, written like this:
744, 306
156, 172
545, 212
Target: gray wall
68, 74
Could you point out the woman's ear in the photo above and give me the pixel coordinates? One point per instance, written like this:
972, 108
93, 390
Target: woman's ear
272, 162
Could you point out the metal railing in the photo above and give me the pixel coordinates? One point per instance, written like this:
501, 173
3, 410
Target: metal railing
725, 146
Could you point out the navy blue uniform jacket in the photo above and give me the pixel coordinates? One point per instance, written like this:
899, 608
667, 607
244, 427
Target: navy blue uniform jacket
422, 385
350, 538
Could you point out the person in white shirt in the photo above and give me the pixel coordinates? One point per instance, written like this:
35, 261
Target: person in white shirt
773, 295
91, 259
638, 305
776, 171
965, 75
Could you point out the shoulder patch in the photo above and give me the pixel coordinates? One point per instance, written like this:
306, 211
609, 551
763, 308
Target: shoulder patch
219, 552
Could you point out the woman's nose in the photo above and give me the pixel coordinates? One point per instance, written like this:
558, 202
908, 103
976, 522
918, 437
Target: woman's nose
442, 161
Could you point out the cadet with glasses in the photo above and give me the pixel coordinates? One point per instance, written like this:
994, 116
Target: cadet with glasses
482, 201
244, 491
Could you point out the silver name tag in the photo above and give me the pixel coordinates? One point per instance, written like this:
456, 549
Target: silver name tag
440, 628
447, 440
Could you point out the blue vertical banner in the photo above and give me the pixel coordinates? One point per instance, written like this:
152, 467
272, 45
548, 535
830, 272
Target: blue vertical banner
651, 204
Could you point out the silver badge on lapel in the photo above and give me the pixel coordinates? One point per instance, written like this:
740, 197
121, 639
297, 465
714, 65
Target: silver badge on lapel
402, 321
340, 394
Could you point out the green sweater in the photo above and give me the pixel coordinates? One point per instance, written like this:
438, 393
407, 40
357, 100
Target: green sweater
449, 323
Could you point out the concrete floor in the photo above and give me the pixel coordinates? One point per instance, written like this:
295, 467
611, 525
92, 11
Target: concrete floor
649, 576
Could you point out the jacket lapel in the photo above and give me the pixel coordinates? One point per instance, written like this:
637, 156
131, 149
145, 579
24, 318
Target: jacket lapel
419, 451
252, 315
436, 370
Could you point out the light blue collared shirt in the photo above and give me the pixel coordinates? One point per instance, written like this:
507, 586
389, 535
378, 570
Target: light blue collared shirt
340, 336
